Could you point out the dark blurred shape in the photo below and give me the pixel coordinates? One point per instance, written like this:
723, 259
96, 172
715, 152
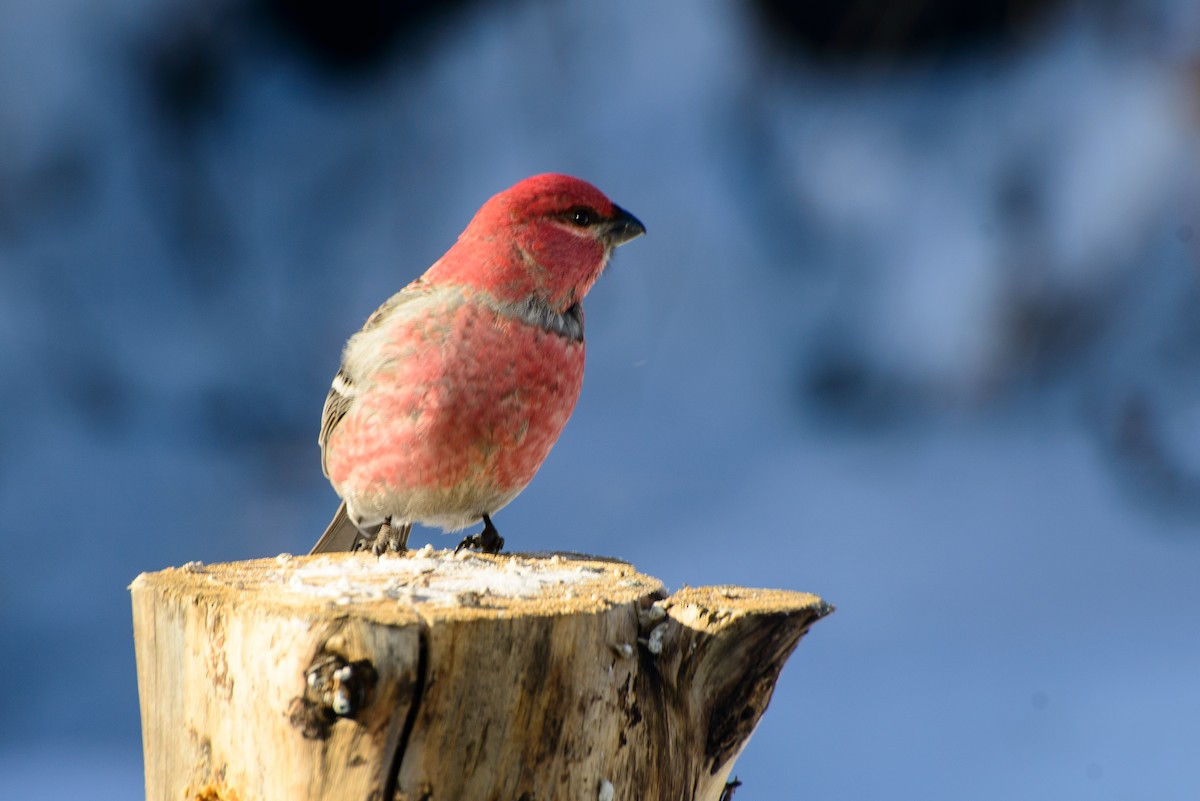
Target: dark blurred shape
843, 389
1146, 460
1047, 327
355, 35
238, 416
868, 30
187, 72
1046, 334
53, 189
188, 64
1020, 201
100, 396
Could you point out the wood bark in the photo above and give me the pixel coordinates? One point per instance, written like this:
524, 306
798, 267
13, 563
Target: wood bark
429, 676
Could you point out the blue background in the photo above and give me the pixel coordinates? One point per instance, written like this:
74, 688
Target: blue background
916, 327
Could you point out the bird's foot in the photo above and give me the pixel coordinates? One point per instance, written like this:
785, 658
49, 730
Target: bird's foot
389, 539
487, 541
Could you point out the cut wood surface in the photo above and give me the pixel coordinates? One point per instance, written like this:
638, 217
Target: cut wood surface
433, 676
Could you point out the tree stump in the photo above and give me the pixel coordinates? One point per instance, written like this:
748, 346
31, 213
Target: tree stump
430, 676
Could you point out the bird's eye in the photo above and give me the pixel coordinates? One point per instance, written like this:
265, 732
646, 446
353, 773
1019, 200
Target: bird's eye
581, 216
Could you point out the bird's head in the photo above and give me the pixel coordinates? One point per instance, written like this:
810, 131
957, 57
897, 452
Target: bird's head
549, 236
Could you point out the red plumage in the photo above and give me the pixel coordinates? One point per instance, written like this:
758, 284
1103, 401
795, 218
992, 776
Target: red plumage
452, 395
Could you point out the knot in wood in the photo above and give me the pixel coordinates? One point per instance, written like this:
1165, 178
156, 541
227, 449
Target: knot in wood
334, 688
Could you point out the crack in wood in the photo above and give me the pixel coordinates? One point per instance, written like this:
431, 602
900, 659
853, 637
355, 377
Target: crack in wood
410, 722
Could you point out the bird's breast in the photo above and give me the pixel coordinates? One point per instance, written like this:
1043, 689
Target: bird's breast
467, 394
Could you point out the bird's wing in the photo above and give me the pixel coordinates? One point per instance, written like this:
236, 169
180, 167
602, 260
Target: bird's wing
337, 403
343, 390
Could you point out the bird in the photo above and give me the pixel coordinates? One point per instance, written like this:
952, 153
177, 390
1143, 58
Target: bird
449, 399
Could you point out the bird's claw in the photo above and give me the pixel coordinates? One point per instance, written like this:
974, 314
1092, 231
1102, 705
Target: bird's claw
484, 545
389, 539
381, 545
487, 541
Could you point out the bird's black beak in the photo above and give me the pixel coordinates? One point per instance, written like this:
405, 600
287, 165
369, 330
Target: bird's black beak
622, 227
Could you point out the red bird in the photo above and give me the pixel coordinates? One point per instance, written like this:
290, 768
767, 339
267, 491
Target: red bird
451, 396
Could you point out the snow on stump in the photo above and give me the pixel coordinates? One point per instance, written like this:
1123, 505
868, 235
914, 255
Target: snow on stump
430, 676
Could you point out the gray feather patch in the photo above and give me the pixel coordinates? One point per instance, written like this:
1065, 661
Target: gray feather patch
534, 311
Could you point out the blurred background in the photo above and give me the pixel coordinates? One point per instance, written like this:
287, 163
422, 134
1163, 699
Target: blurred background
916, 327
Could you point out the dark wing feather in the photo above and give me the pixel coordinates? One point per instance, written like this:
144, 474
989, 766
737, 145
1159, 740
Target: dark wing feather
340, 534
337, 403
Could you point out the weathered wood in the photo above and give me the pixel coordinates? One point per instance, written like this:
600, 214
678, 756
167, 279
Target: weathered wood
431, 676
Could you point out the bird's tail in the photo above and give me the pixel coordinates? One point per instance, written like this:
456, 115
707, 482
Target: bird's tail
340, 535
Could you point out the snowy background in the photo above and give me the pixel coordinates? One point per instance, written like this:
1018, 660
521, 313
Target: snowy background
916, 327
